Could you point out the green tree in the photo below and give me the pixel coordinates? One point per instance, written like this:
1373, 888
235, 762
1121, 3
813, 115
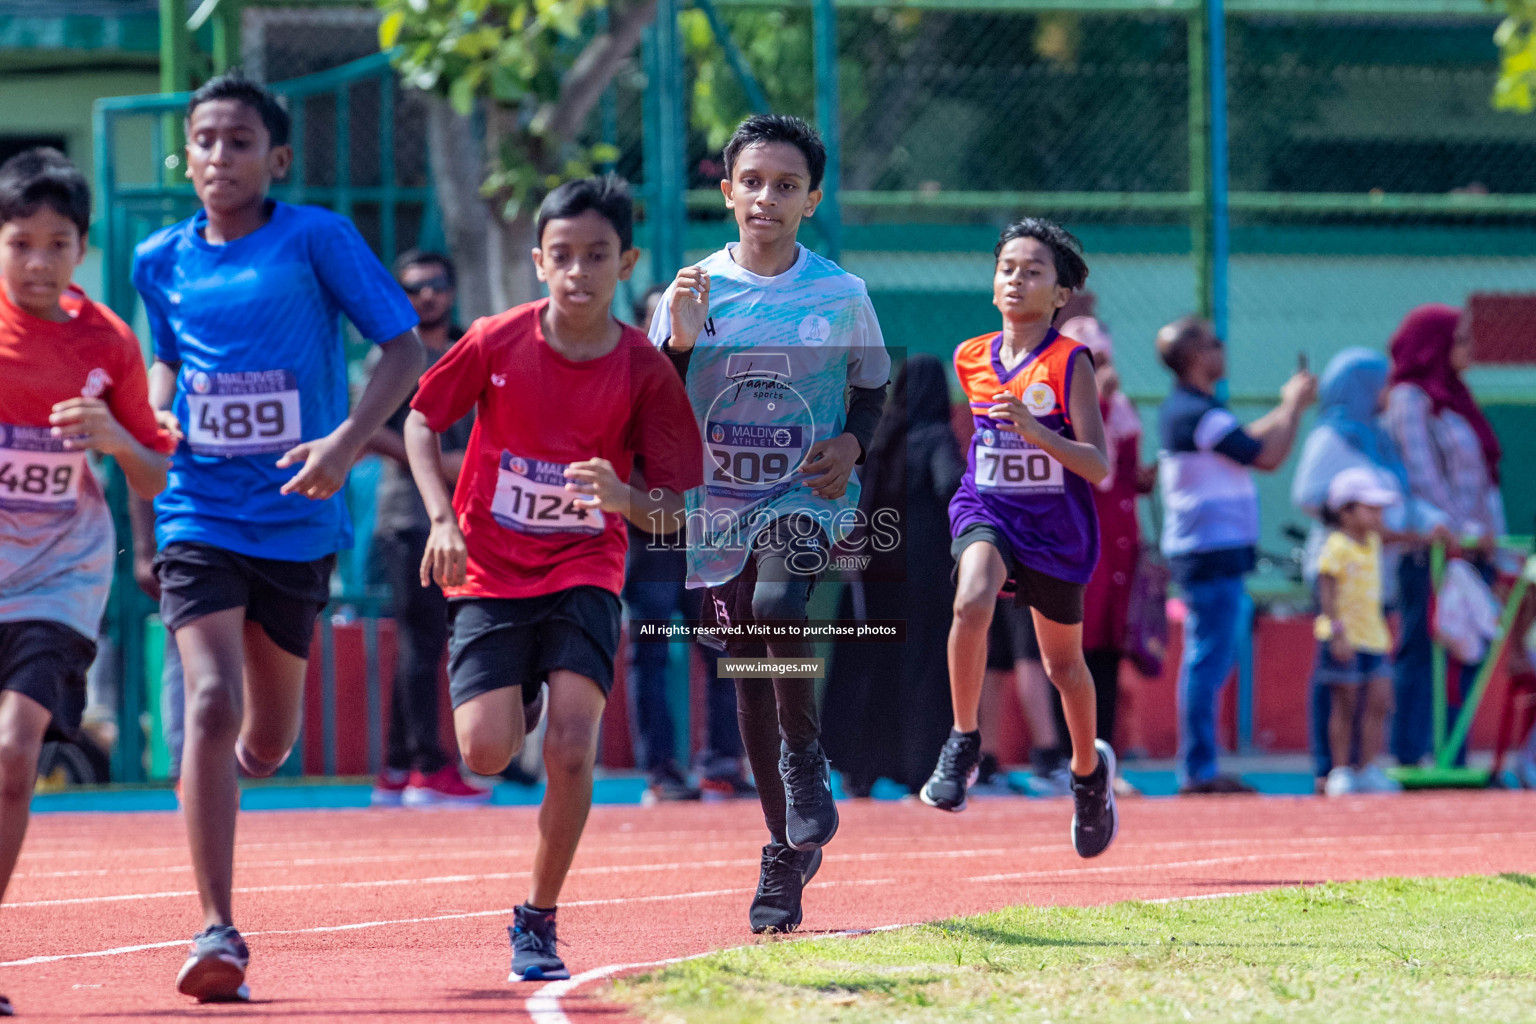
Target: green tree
533, 70
1516, 37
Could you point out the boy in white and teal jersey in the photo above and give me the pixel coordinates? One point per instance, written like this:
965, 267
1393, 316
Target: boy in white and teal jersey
786, 371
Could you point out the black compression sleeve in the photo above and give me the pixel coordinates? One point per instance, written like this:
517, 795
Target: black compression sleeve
864, 408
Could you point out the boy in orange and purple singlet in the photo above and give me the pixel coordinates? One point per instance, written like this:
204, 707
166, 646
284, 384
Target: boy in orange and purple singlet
1024, 511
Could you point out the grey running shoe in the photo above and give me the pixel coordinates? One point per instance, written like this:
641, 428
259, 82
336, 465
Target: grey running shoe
1095, 823
533, 947
785, 874
215, 968
6, 1009
955, 772
810, 813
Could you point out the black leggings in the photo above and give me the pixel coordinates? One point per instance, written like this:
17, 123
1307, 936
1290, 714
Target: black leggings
771, 711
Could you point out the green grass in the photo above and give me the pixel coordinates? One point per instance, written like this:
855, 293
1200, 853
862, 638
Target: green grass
1422, 950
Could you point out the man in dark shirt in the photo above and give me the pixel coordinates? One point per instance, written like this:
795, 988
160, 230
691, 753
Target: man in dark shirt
416, 771
1211, 524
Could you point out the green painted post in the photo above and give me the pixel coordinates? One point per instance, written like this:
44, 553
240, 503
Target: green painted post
1445, 757
1437, 659
1201, 224
829, 120
175, 76
226, 36
665, 127
389, 204
343, 201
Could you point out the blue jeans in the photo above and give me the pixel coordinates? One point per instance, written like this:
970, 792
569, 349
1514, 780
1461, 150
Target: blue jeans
654, 590
1210, 651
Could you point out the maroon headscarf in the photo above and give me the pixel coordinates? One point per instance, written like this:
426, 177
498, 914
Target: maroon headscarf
1421, 355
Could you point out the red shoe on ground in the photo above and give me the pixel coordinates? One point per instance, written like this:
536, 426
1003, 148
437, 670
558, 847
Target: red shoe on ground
389, 788
442, 787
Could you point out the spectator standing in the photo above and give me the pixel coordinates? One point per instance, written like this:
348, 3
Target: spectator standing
417, 772
1107, 600
886, 705
1352, 631
1212, 523
1451, 455
654, 590
1349, 435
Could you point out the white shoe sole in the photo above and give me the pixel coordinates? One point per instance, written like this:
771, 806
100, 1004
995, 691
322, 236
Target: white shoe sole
432, 798
970, 780
213, 979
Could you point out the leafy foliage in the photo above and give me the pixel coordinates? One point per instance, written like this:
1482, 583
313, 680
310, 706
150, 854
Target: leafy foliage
1516, 38
517, 57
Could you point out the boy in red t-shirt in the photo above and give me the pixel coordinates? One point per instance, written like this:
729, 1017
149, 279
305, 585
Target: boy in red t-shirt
531, 550
74, 382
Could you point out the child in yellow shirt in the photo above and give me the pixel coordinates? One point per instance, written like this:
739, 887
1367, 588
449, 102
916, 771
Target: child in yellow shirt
1352, 631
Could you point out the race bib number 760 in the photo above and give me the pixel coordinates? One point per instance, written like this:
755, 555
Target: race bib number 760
1007, 462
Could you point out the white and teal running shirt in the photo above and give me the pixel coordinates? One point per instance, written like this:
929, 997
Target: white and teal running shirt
769, 378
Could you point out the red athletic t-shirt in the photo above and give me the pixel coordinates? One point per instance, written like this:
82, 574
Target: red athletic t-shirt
536, 413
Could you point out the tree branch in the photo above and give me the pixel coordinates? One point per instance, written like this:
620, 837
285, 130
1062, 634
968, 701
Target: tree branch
594, 69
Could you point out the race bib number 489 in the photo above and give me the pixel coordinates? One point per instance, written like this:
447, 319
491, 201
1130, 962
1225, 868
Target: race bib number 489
37, 474
250, 413
1008, 463
531, 498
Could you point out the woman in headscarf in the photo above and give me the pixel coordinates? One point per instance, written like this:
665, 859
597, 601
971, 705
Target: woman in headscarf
1451, 456
887, 704
1109, 591
1348, 434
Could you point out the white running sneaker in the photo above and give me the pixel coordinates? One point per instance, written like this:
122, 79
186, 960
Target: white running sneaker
1341, 781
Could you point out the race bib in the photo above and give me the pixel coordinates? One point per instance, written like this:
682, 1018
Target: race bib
531, 498
746, 459
1007, 463
254, 412
37, 474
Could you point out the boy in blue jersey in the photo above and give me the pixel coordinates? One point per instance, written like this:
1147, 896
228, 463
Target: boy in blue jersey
243, 301
786, 369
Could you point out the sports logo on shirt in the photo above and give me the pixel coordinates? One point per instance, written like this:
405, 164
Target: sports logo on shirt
518, 466
499, 379
815, 329
1039, 399
96, 383
201, 383
717, 433
989, 438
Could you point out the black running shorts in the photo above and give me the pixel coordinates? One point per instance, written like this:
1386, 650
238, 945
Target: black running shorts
284, 598
47, 662
498, 641
1056, 599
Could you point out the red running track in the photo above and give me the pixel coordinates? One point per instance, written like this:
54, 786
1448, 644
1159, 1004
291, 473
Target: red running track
370, 915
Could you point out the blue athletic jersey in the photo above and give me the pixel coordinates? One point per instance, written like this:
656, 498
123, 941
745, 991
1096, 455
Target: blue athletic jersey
255, 326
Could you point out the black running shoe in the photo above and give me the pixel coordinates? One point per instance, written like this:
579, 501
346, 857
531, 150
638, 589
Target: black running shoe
215, 968
6, 1009
668, 785
533, 947
810, 813
953, 775
1095, 822
785, 874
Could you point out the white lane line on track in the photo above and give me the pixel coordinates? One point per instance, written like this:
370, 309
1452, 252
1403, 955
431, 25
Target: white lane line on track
618, 869
505, 912
544, 1005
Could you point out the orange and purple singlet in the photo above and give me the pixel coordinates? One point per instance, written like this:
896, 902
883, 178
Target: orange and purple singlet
1042, 509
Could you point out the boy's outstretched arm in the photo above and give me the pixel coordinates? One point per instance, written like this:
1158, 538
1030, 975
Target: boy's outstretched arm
447, 556
327, 460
